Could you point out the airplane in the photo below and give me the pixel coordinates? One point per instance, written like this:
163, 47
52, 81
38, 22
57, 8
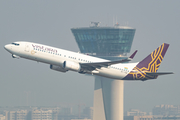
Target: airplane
62, 60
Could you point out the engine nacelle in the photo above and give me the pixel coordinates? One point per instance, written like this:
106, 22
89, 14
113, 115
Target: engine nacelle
57, 68
15, 56
70, 65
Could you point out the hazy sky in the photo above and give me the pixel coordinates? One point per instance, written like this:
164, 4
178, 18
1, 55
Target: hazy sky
49, 22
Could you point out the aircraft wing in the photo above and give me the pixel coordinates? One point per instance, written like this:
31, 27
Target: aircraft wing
159, 73
92, 66
103, 64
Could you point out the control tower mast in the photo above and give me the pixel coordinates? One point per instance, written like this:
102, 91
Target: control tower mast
109, 43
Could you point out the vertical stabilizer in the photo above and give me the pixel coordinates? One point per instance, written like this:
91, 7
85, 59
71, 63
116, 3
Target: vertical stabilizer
150, 64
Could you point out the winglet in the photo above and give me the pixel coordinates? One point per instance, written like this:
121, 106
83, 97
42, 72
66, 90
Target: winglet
132, 56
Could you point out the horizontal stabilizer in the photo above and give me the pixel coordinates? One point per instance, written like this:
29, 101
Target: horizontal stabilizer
159, 73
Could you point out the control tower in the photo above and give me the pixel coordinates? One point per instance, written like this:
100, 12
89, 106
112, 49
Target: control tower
104, 41
109, 43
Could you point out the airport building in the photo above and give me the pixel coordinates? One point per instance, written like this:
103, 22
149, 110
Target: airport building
2, 117
42, 114
56, 113
17, 115
135, 112
88, 112
166, 110
152, 117
112, 43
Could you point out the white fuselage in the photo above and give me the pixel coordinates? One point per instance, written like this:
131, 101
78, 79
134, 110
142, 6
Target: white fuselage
55, 56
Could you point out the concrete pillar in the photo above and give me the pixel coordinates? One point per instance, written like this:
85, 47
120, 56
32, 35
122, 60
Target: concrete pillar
113, 96
110, 93
98, 107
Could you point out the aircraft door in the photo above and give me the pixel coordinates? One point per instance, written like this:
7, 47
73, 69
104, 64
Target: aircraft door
27, 48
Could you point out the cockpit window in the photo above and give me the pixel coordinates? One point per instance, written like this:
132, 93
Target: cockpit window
15, 44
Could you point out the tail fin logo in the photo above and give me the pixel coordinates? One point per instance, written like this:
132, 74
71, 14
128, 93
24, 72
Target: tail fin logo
150, 64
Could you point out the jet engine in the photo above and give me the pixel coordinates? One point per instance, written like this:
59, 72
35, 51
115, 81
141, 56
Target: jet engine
15, 56
57, 68
70, 65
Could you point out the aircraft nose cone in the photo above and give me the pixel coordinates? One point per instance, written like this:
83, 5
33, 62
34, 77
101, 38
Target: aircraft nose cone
7, 47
